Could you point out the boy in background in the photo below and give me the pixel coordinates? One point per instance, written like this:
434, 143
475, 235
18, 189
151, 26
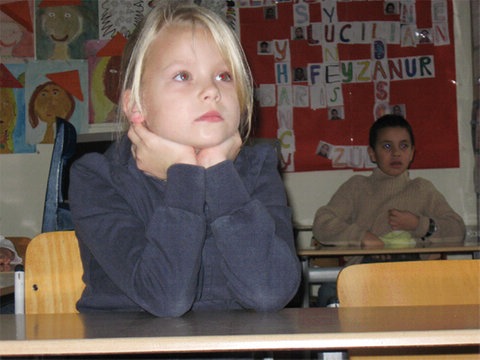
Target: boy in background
367, 210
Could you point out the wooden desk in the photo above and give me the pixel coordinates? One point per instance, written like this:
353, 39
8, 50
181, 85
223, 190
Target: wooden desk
448, 328
315, 274
7, 283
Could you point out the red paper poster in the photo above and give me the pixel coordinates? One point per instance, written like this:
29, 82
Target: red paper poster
325, 70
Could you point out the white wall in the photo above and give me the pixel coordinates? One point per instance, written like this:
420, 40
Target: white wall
23, 181
23, 176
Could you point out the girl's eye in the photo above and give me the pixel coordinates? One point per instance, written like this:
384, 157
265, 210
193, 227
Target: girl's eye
182, 76
224, 77
404, 146
387, 146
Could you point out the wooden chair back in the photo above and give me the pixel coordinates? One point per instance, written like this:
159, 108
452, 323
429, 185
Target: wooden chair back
411, 283
53, 273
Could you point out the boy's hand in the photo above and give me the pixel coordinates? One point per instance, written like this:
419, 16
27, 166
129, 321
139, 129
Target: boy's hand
154, 154
402, 220
227, 150
371, 240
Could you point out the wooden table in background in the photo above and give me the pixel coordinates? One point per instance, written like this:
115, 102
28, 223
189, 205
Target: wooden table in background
318, 274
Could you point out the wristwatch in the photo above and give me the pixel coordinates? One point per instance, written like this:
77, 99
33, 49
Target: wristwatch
432, 227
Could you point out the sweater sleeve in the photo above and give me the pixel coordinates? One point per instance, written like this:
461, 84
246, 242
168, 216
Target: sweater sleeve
252, 227
334, 223
450, 225
141, 237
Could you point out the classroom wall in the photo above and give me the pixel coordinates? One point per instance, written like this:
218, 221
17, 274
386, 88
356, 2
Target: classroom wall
23, 176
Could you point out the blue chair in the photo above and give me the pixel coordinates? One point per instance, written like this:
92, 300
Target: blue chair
56, 213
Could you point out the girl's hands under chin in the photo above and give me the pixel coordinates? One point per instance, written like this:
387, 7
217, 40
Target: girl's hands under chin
154, 154
227, 150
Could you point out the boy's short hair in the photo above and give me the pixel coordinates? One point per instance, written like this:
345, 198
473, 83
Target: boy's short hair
386, 121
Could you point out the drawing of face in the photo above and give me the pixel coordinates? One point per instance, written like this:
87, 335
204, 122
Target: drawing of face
62, 24
10, 36
52, 102
111, 78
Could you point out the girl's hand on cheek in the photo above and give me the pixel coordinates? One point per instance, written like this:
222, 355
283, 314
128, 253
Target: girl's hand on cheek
154, 154
227, 150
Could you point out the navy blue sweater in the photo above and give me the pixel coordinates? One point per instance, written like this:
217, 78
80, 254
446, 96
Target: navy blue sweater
217, 238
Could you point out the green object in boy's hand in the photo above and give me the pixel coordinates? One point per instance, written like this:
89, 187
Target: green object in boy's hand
398, 239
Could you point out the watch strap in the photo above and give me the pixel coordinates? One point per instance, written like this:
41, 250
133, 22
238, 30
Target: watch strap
432, 227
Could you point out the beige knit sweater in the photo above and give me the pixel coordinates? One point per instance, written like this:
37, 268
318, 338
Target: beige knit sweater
362, 204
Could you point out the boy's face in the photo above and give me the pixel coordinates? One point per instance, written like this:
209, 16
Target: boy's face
189, 93
393, 151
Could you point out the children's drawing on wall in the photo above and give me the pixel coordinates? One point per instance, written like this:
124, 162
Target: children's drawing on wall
113, 19
16, 35
63, 26
55, 89
358, 60
104, 63
12, 110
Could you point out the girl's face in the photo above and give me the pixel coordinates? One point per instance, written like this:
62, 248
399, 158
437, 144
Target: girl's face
188, 93
393, 151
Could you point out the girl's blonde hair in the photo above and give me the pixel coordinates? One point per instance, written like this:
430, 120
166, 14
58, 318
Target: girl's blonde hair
170, 12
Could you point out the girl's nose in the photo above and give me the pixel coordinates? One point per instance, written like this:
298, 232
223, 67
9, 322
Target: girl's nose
211, 91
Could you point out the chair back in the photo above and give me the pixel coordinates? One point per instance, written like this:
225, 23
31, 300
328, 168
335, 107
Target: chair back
411, 283
56, 212
53, 273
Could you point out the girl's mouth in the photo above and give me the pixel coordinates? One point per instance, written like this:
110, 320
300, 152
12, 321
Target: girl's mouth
211, 116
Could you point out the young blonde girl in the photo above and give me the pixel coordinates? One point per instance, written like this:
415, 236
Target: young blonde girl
180, 215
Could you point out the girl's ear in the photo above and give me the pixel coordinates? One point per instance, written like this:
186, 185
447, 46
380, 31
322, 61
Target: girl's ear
133, 113
371, 154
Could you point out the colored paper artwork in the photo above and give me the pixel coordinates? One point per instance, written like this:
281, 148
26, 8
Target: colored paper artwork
55, 89
114, 19
63, 27
104, 60
12, 110
326, 70
16, 31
